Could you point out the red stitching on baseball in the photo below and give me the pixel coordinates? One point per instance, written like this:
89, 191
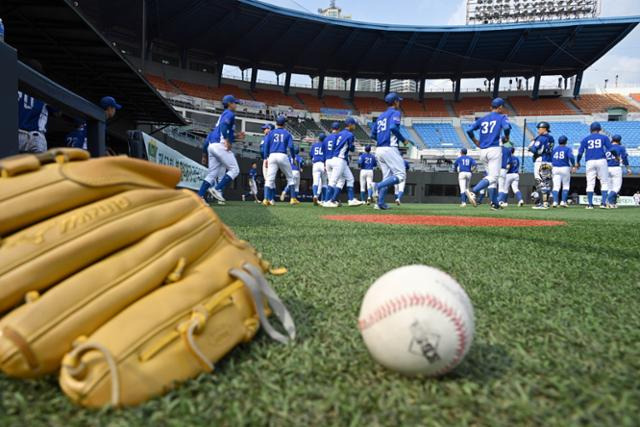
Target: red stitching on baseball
402, 302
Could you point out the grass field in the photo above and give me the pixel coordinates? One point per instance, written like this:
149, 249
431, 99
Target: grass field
557, 328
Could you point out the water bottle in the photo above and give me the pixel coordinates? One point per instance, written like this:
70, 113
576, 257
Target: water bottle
1, 31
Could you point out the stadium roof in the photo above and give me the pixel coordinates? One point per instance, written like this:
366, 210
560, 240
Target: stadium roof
252, 34
76, 56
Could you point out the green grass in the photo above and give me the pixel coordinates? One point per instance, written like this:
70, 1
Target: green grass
557, 329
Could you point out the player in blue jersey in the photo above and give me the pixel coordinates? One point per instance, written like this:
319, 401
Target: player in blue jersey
297, 165
217, 146
78, 137
464, 166
562, 160
318, 171
33, 115
399, 188
513, 178
595, 148
329, 145
542, 148
278, 147
503, 190
367, 163
386, 133
615, 159
342, 144
266, 128
253, 182
491, 128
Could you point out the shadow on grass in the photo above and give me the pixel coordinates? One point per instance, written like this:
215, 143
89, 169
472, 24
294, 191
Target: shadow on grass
485, 362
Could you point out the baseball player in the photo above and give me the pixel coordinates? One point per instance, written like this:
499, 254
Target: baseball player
329, 145
317, 154
340, 171
503, 190
266, 128
297, 164
253, 184
465, 166
399, 188
277, 144
367, 162
562, 162
33, 115
617, 156
217, 146
542, 148
595, 148
513, 179
491, 127
386, 133
78, 137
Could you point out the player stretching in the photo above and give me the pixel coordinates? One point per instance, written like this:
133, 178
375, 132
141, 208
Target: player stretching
490, 126
562, 162
513, 179
318, 171
297, 163
217, 146
596, 146
542, 148
343, 143
386, 133
367, 163
503, 190
399, 188
618, 155
465, 166
276, 146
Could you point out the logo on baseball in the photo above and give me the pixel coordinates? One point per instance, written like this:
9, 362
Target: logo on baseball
417, 320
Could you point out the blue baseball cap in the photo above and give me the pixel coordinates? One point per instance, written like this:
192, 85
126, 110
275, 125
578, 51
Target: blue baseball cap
335, 125
349, 121
230, 99
616, 138
322, 136
392, 97
463, 151
563, 140
367, 148
281, 120
267, 126
496, 103
595, 126
109, 101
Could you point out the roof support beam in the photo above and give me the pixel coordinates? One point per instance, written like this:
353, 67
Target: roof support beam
397, 60
536, 85
249, 34
435, 53
367, 52
577, 85
274, 43
614, 41
516, 47
496, 86
469, 53
345, 45
310, 45
215, 27
561, 49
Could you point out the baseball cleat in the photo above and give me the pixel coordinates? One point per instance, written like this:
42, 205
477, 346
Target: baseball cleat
294, 201
554, 205
471, 197
382, 207
503, 204
603, 207
369, 201
315, 201
221, 203
398, 202
216, 194
520, 203
540, 207
355, 202
563, 205
265, 202
330, 204
463, 205
495, 207
589, 207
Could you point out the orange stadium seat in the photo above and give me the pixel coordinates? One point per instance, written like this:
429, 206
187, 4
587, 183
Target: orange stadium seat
525, 106
333, 101
635, 96
413, 108
208, 92
469, 106
436, 107
601, 103
367, 105
311, 102
160, 83
275, 97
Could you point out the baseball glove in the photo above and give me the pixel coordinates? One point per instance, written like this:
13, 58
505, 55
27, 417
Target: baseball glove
130, 279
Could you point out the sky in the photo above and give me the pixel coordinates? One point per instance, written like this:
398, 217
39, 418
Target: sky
623, 60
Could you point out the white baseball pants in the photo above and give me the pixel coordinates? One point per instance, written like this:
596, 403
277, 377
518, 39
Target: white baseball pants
318, 172
492, 159
391, 163
502, 181
399, 188
366, 179
615, 179
335, 170
31, 142
278, 161
512, 180
597, 168
253, 187
464, 180
347, 177
221, 161
296, 180
561, 178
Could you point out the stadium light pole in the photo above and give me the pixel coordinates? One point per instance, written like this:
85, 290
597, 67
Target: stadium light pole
524, 139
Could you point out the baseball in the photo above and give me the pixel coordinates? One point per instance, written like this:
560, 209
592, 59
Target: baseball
417, 320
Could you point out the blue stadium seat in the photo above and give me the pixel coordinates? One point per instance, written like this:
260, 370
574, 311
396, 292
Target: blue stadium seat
438, 135
630, 132
575, 131
405, 132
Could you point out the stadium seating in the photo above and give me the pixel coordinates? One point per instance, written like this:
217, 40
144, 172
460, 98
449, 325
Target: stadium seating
630, 132
311, 102
211, 93
591, 104
470, 106
436, 107
525, 106
161, 84
368, 105
575, 131
438, 135
333, 101
304, 127
275, 97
